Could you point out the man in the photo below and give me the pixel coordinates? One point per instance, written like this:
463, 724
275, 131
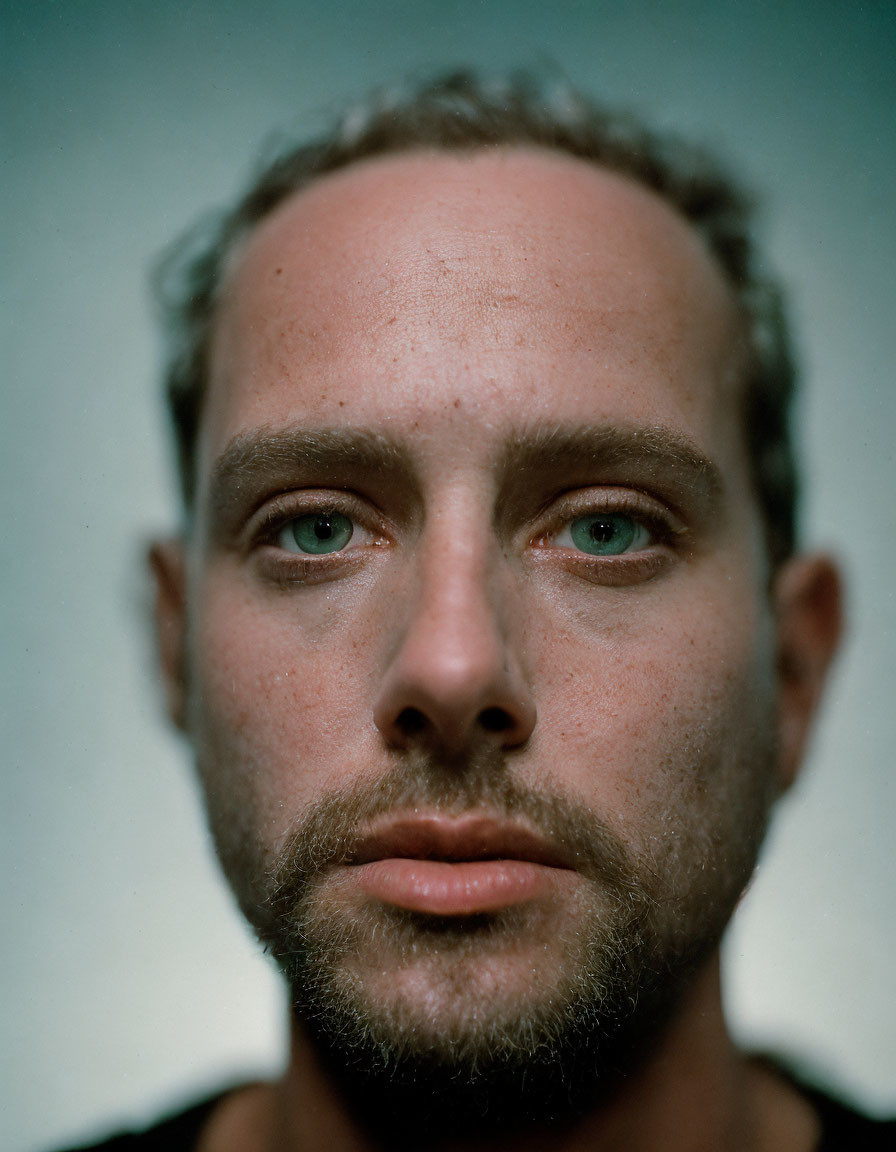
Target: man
489, 630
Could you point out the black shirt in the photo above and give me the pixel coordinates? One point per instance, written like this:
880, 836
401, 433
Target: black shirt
842, 1129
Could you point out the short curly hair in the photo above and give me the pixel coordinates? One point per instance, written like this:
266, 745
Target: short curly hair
464, 112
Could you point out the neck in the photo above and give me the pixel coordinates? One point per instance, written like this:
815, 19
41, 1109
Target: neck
695, 1092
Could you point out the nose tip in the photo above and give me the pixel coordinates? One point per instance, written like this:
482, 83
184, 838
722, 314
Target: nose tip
455, 678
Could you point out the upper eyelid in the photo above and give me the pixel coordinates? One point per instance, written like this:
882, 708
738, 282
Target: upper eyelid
553, 515
611, 500
277, 511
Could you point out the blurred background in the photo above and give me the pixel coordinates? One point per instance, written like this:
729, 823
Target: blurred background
128, 982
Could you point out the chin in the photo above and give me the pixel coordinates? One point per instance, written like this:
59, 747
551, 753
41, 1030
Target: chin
519, 1019
456, 983
516, 1016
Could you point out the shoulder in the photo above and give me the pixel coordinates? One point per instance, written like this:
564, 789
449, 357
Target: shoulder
177, 1133
841, 1126
843, 1129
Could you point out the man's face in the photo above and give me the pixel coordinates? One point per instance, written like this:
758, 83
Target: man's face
480, 659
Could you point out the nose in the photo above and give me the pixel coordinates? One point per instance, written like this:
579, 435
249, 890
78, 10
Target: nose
454, 676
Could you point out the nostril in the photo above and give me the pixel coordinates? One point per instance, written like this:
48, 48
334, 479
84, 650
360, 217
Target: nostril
410, 722
495, 720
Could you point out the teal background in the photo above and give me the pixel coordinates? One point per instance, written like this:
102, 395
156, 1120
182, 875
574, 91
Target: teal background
128, 982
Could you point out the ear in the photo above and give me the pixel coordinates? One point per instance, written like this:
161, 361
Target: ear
167, 563
808, 606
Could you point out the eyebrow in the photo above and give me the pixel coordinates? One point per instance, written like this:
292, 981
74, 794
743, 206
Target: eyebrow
258, 460
650, 455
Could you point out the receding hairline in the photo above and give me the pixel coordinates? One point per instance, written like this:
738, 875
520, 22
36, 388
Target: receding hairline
251, 450
461, 112
663, 225
618, 182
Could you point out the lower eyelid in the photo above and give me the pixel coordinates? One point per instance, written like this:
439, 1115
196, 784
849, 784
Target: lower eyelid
295, 569
623, 570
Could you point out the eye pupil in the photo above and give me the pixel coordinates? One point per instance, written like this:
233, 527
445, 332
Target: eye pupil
323, 529
602, 531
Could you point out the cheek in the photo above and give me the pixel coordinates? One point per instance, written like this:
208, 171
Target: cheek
281, 707
662, 713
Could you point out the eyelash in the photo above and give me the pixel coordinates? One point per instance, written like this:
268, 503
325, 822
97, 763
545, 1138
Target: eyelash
661, 522
667, 534
298, 567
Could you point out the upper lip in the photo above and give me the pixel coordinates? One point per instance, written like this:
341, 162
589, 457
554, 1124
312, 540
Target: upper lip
437, 836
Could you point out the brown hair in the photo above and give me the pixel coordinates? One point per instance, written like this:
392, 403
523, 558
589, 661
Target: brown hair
459, 112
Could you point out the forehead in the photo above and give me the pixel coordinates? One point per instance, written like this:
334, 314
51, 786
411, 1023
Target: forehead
523, 283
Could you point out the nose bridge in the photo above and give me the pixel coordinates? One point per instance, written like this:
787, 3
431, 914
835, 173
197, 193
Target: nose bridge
457, 609
455, 669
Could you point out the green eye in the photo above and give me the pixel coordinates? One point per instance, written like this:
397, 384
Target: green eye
316, 534
607, 535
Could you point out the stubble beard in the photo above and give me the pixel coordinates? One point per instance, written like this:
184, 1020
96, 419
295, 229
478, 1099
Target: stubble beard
460, 1050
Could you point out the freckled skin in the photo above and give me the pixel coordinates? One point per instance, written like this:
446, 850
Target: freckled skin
448, 302
637, 327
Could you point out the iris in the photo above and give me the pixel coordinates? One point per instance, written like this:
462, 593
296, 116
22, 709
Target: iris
604, 535
318, 533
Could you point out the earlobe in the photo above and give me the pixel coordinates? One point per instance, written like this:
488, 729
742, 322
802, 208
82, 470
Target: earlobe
808, 608
167, 564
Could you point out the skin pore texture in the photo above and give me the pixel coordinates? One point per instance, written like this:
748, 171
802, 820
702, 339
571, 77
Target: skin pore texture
473, 638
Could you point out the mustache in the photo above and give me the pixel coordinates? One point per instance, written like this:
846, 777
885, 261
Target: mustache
328, 833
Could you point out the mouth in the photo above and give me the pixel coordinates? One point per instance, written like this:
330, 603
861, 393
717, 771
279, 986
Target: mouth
443, 865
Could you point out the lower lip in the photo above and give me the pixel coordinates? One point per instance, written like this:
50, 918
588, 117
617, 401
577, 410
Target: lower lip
462, 888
